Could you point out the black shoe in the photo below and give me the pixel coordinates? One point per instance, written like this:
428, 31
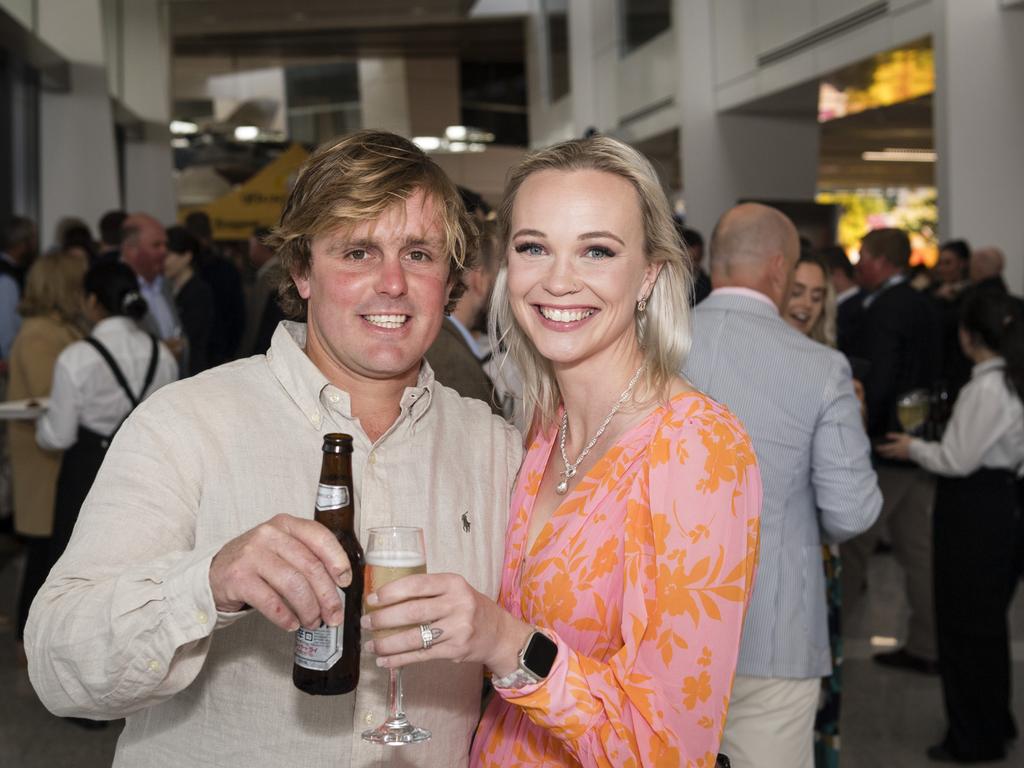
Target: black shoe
904, 659
941, 753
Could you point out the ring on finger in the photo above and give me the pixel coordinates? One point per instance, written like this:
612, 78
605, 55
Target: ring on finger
428, 635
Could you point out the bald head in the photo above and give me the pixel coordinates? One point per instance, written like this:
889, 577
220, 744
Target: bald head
985, 263
754, 246
144, 245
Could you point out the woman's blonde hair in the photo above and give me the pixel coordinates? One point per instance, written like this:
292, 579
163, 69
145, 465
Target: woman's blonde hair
53, 286
663, 329
357, 179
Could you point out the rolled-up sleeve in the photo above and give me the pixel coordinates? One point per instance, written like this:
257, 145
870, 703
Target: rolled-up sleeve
845, 484
125, 617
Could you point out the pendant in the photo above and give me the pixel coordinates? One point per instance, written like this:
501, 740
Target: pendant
562, 487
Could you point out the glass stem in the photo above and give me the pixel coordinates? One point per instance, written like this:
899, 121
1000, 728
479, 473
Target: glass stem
396, 711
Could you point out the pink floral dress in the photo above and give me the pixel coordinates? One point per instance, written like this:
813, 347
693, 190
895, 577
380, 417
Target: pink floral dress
642, 576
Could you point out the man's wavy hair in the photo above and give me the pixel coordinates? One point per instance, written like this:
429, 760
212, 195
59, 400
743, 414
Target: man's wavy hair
356, 179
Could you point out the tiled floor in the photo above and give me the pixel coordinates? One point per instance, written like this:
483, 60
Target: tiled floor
889, 717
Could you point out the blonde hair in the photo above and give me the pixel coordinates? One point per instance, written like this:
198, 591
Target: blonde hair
54, 286
356, 179
663, 330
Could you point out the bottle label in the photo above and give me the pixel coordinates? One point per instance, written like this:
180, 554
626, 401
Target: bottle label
331, 497
321, 648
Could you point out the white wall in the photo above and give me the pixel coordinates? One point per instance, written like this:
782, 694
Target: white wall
148, 183
379, 82
78, 166
73, 27
979, 111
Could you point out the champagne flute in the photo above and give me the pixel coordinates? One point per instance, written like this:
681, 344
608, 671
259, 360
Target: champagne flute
912, 411
391, 553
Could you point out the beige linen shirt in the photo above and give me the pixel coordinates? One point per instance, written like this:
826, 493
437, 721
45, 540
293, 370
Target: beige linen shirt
126, 625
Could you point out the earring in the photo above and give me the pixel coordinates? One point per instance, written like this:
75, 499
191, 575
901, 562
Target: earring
641, 305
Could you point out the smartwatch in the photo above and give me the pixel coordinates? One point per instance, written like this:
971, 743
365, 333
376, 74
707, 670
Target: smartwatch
536, 658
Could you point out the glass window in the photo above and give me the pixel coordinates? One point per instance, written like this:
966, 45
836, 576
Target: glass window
643, 20
556, 20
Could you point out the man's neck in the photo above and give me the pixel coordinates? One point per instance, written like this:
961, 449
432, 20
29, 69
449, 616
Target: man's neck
764, 286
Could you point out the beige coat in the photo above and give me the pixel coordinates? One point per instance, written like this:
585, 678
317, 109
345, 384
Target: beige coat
32, 359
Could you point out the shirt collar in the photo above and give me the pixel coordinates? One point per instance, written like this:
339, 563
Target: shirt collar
849, 293
992, 364
115, 323
886, 285
315, 395
473, 346
155, 285
749, 293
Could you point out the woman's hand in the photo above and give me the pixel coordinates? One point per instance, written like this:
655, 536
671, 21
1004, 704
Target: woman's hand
467, 625
898, 446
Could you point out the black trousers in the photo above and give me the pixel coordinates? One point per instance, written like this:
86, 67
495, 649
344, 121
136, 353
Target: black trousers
78, 470
37, 564
976, 537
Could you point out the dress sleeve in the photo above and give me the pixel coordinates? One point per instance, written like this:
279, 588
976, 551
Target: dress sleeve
690, 553
125, 617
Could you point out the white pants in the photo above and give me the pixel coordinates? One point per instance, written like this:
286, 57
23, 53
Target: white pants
771, 722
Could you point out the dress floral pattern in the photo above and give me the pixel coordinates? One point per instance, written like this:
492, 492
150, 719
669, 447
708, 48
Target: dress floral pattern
642, 577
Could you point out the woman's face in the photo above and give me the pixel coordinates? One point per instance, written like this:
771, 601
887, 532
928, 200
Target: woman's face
176, 263
806, 297
577, 267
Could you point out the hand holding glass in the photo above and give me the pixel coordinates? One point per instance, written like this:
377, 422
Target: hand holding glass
391, 553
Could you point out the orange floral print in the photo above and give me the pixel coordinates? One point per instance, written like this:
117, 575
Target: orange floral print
641, 576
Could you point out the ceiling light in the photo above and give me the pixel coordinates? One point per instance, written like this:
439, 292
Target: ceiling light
183, 127
180, 143
427, 143
457, 146
247, 133
456, 132
901, 155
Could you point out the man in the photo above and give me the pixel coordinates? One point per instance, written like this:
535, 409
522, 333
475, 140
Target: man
849, 296
694, 242
796, 399
17, 249
202, 506
951, 270
228, 296
111, 232
144, 249
986, 267
901, 340
263, 313
455, 355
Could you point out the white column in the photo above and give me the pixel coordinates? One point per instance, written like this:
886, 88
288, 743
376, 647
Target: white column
978, 114
77, 158
593, 64
727, 157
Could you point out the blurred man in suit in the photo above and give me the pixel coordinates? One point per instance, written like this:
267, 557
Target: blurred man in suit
263, 312
795, 397
901, 339
849, 295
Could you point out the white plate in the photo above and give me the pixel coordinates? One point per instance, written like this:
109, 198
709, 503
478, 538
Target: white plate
30, 408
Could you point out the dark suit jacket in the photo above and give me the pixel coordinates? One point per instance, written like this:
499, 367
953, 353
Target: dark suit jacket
900, 337
195, 308
848, 316
457, 367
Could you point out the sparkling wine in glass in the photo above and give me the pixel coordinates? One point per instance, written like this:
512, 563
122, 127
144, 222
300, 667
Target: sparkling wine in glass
391, 553
912, 411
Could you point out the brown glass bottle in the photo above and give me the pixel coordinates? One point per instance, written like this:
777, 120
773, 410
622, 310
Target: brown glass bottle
327, 659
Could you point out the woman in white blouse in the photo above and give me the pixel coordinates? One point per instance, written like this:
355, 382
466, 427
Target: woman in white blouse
978, 532
97, 382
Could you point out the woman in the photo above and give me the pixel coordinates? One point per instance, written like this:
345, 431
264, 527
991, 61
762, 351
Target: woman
192, 296
52, 308
811, 309
633, 531
977, 534
96, 384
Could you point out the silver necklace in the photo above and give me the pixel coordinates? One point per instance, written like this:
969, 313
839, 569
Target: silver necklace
571, 466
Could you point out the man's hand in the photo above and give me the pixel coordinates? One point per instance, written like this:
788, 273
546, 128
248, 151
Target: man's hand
288, 569
898, 446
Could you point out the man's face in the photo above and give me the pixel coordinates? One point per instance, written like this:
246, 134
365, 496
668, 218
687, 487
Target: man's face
376, 294
948, 267
149, 251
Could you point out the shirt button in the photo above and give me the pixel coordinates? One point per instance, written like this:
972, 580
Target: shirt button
335, 397
202, 618
373, 458
154, 666
314, 416
369, 718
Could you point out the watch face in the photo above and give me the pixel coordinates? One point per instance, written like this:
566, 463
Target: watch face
540, 654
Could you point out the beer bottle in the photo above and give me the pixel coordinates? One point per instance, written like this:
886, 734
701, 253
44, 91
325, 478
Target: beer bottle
327, 658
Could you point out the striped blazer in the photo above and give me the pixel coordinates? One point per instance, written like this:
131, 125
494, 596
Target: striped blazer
795, 398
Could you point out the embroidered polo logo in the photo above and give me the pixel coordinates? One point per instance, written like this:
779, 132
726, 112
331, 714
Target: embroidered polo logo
465, 521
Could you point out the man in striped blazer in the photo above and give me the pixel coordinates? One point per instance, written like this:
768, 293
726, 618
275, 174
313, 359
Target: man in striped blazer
796, 400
